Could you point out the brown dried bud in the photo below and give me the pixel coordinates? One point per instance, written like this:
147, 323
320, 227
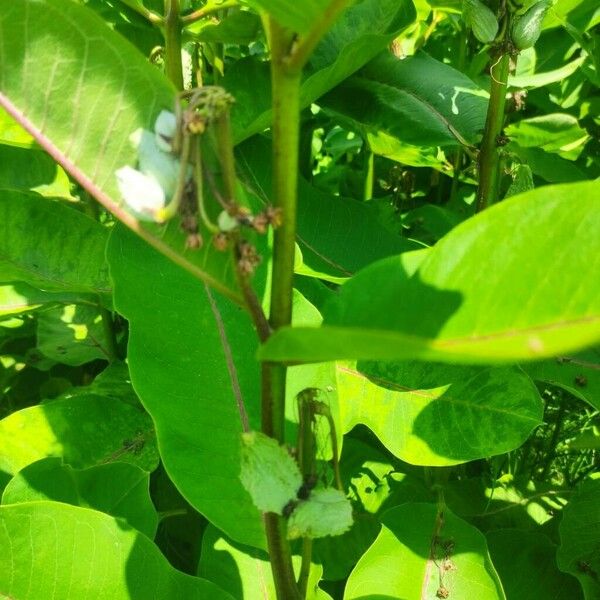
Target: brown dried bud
274, 216
221, 241
261, 223
194, 241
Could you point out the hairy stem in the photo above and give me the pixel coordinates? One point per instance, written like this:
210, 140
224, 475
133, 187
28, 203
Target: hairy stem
489, 157
173, 65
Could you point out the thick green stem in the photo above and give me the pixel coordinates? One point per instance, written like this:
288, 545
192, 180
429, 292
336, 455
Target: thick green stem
286, 137
173, 65
489, 157
273, 419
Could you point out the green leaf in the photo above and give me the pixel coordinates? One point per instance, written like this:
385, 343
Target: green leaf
51, 246
360, 33
72, 334
81, 90
77, 552
269, 473
434, 554
245, 572
326, 512
118, 489
298, 15
579, 374
114, 382
189, 360
522, 181
539, 299
20, 297
337, 236
546, 77
12, 133
417, 100
579, 550
556, 133
437, 415
84, 431
31, 169
526, 564
238, 27
550, 167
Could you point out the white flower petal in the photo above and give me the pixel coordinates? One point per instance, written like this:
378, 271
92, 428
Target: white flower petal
154, 162
141, 193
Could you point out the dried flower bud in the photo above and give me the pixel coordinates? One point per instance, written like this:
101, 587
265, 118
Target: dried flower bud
221, 241
260, 223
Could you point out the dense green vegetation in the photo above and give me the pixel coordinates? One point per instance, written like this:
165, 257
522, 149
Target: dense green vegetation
299, 299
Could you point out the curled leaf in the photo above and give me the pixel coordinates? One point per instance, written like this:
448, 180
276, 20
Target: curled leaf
269, 474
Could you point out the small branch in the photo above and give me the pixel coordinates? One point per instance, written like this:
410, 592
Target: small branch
305, 46
489, 157
173, 64
139, 8
208, 10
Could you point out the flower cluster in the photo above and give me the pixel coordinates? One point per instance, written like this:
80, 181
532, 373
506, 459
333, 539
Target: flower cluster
147, 189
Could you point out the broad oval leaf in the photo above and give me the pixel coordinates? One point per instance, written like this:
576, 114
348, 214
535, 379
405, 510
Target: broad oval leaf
119, 489
74, 553
51, 246
418, 100
72, 334
81, 90
578, 374
437, 415
579, 550
419, 554
516, 282
84, 431
526, 563
190, 363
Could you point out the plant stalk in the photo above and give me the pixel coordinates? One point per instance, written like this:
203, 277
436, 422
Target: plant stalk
208, 9
173, 65
286, 139
489, 157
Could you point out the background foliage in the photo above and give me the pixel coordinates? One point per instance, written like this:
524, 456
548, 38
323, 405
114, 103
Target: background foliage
457, 351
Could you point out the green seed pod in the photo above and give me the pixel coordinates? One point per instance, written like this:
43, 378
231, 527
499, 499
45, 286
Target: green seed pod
481, 20
526, 29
